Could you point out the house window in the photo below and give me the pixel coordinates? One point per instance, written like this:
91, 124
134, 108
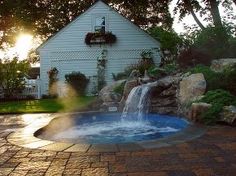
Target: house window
100, 24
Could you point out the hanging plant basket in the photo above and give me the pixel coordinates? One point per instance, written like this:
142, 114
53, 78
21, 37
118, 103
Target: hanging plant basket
100, 38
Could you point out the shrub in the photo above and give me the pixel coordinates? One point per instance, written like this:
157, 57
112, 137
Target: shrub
218, 80
213, 41
78, 82
165, 70
218, 99
170, 40
142, 65
230, 79
215, 80
192, 57
106, 37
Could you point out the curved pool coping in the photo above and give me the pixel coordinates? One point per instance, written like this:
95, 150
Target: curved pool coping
25, 137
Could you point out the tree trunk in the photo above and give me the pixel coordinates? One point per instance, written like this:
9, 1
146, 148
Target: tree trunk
190, 9
196, 19
215, 13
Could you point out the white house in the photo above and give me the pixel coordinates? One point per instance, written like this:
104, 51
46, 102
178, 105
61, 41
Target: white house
68, 51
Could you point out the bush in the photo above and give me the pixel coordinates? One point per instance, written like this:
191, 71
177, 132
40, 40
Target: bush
218, 99
230, 79
213, 41
208, 44
192, 57
167, 69
215, 80
232, 48
218, 80
142, 65
78, 82
170, 40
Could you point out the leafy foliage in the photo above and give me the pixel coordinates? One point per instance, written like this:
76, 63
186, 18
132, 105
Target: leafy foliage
12, 79
142, 65
107, 37
218, 80
208, 44
45, 18
212, 41
170, 40
230, 79
167, 69
191, 57
78, 81
52, 76
218, 99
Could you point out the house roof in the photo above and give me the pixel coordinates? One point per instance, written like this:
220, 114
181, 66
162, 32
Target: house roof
64, 28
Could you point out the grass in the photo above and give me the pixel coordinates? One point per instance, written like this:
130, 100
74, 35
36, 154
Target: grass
45, 105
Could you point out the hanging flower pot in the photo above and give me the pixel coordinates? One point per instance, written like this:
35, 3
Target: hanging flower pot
100, 38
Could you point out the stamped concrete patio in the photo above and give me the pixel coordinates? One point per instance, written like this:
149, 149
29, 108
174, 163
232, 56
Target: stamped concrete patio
213, 154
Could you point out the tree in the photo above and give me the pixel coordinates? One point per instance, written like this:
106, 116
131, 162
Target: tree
45, 18
187, 7
12, 76
205, 7
145, 13
170, 41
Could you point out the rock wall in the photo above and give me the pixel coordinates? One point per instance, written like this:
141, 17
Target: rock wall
164, 96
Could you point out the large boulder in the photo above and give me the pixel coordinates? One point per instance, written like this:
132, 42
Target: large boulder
196, 111
228, 115
107, 94
191, 87
220, 64
163, 96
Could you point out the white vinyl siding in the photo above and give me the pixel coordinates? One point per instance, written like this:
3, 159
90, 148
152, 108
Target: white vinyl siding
68, 51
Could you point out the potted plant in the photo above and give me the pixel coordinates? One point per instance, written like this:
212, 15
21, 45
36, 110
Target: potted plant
100, 38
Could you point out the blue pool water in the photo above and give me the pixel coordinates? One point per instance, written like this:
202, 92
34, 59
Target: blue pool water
111, 128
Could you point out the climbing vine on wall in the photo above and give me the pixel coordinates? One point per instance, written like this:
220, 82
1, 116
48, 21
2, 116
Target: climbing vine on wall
52, 76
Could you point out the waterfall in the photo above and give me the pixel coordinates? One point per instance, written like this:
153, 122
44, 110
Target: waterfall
137, 103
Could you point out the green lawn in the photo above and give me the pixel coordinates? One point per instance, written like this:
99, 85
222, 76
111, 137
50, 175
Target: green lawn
45, 105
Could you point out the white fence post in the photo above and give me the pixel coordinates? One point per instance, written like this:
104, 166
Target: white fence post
38, 82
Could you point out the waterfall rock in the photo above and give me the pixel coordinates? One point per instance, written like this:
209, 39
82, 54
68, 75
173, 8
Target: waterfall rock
196, 110
163, 96
107, 94
164, 110
191, 87
135, 74
220, 64
228, 115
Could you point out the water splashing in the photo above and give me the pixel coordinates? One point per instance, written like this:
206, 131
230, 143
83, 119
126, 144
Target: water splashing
137, 103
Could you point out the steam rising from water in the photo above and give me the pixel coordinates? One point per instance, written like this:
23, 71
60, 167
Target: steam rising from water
116, 128
127, 129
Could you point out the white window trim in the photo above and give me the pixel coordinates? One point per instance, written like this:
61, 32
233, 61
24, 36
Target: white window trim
94, 16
